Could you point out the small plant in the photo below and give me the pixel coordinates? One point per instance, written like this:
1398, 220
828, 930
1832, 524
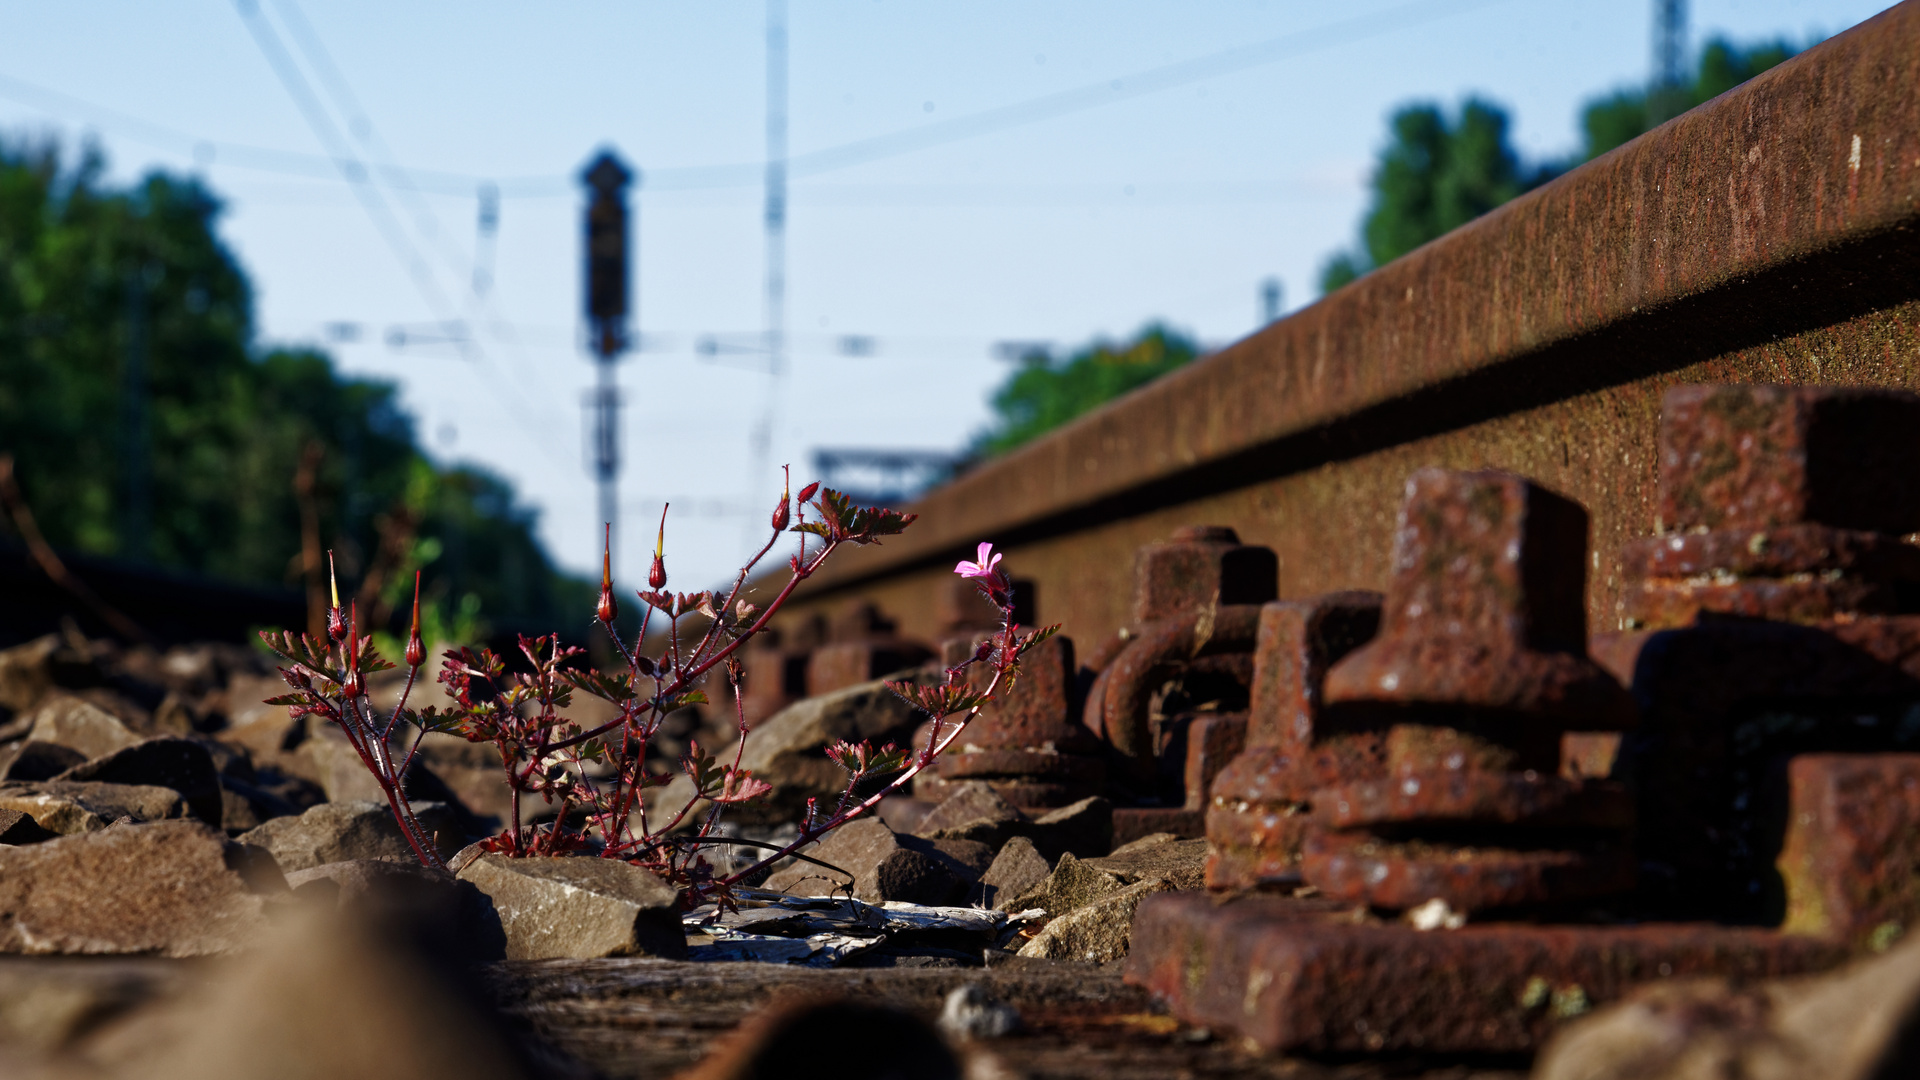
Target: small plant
596, 777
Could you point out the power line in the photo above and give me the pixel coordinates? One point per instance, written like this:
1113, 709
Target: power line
360, 124
478, 305
827, 159
349, 164
355, 172
1127, 87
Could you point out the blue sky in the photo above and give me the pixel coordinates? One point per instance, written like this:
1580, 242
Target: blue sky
1144, 196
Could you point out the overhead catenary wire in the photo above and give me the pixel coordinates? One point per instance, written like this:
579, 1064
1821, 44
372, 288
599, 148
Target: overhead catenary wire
1044, 107
373, 202
351, 168
360, 124
478, 303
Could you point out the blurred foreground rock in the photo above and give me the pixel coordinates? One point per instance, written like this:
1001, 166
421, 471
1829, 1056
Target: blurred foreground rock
867, 1041
323, 996
1859, 1023
432, 908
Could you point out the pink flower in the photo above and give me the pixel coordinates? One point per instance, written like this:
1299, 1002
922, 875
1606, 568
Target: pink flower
983, 568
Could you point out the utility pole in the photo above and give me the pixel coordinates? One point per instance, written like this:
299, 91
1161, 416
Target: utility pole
776, 215
1269, 300
775, 332
1666, 97
607, 290
136, 450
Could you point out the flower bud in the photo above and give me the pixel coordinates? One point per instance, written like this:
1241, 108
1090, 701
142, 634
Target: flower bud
416, 649
657, 575
608, 609
336, 623
807, 492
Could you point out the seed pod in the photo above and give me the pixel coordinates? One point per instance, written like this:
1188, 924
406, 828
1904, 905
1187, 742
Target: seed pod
416, 649
657, 575
336, 623
608, 609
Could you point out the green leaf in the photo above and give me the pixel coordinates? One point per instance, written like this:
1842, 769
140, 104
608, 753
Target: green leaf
1037, 637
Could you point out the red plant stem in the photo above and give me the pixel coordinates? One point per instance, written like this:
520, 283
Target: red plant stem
692, 673
514, 788
359, 733
404, 694
809, 834
739, 752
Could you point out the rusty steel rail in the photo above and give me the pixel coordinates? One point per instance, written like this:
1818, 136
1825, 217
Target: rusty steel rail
1767, 236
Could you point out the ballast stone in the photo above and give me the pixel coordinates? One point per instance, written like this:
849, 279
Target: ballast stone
169, 888
579, 908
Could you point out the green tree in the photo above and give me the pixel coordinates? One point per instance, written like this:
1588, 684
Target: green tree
1048, 391
1436, 174
1622, 116
88, 271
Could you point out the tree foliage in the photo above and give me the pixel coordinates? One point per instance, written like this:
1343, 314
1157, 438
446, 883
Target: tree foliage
1625, 115
1438, 172
1050, 390
84, 266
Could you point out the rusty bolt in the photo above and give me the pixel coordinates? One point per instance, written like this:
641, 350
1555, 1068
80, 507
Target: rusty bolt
1257, 807
1779, 503
1029, 744
1747, 457
1200, 565
1479, 668
1487, 607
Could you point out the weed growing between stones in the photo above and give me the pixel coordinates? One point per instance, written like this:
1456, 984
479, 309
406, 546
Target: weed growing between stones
595, 778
